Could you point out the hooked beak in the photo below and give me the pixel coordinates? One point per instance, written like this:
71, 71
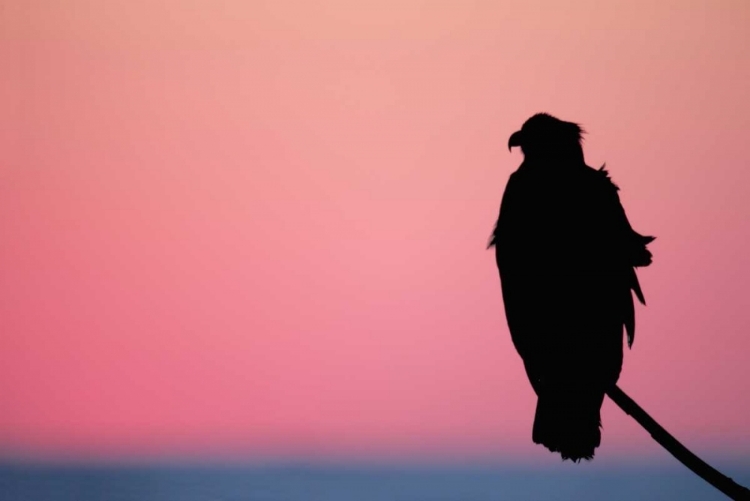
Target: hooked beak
514, 140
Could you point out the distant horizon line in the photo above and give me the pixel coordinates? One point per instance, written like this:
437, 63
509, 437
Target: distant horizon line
355, 461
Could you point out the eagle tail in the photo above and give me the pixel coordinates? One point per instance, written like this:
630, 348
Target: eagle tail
569, 424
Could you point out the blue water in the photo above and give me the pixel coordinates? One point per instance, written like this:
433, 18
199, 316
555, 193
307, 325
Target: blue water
354, 483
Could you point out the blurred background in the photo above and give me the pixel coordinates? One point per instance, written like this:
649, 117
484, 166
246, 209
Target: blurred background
253, 232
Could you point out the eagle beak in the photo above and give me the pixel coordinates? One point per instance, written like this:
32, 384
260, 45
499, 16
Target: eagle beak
514, 140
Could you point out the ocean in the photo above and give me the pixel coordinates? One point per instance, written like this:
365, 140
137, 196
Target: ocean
326, 482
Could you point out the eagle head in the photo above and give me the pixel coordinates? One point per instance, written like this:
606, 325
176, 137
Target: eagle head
543, 137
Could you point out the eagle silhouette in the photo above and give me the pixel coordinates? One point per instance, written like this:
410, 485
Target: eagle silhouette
566, 255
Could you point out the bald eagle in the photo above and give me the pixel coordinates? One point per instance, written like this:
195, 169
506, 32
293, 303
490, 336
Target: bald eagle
566, 256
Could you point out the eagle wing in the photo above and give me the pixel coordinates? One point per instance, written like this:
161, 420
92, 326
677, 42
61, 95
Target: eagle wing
623, 246
566, 254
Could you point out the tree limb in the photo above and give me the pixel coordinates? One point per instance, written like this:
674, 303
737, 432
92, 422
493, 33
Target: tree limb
679, 451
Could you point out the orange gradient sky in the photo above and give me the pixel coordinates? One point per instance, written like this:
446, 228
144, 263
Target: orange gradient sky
252, 228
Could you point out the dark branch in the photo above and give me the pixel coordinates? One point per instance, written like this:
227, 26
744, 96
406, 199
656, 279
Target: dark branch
679, 451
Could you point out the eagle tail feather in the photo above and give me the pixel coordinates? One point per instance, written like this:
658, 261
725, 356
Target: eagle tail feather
570, 426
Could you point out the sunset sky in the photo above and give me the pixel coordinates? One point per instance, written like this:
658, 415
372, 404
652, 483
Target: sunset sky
252, 228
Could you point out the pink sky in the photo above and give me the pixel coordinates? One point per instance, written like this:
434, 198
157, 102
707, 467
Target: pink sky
251, 227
